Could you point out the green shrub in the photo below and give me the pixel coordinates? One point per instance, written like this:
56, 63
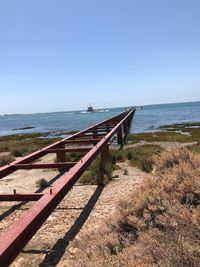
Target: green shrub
113, 157
130, 155
99, 173
147, 164
119, 156
140, 156
116, 155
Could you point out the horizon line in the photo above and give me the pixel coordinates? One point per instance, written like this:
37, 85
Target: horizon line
143, 105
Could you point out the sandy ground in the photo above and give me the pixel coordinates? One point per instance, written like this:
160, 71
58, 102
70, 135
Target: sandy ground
83, 209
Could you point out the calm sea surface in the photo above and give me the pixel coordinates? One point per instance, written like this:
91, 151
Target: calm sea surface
149, 118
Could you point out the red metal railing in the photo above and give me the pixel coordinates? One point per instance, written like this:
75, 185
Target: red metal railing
99, 136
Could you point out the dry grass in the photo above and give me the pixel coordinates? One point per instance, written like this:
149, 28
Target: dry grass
6, 159
159, 225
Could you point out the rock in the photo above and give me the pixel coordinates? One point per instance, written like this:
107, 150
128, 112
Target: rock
73, 250
125, 172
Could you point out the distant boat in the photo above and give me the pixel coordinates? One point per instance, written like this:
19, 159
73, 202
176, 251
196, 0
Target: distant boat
90, 108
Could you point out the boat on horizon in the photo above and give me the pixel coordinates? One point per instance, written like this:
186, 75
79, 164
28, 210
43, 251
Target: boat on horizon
90, 108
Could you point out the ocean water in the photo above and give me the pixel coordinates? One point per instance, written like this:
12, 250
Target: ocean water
149, 118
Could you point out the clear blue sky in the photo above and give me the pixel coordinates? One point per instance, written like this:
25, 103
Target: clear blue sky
62, 54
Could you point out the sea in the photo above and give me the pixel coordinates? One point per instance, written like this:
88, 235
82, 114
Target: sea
147, 119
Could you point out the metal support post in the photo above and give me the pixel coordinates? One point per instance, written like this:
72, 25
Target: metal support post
119, 136
61, 156
125, 127
95, 134
105, 153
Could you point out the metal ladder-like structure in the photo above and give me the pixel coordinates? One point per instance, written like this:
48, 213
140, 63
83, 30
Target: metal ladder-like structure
92, 141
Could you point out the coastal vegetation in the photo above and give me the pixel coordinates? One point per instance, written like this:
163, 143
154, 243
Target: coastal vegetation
158, 224
187, 132
182, 133
142, 156
20, 145
99, 173
23, 144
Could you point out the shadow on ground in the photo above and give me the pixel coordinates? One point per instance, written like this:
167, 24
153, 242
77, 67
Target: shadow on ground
55, 254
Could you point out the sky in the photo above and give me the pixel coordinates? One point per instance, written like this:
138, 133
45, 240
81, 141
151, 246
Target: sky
58, 55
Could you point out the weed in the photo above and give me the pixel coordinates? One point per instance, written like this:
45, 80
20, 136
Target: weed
42, 183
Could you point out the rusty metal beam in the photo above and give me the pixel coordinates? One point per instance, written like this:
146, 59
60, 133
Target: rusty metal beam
83, 141
106, 126
45, 165
20, 197
76, 149
91, 134
18, 235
